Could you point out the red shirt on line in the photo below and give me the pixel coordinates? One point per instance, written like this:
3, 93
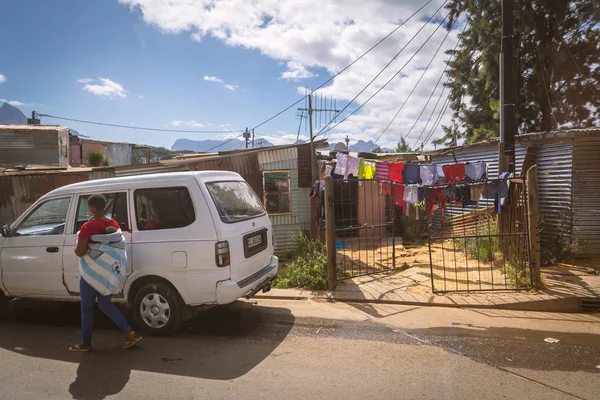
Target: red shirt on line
96, 226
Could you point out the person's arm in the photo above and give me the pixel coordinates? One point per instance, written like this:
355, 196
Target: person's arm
82, 247
83, 239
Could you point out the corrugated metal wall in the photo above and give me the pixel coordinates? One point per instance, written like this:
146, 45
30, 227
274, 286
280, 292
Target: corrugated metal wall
18, 192
286, 226
31, 147
118, 154
586, 193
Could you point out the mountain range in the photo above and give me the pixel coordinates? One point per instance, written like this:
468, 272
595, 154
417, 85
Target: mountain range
11, 115
362, 146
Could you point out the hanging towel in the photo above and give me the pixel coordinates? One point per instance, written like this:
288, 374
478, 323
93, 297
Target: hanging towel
455, 173
342, 162
439, 174
398, 195
366, 169
477, 192
103, 267
382, 171
411, 173
427, 174
352, 166
396, 171
475, 171
411, 194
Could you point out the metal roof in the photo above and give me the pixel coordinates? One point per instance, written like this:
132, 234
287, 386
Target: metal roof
22, 127
553, 135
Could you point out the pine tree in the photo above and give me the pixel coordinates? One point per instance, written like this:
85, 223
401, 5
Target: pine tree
557, 48
403, 146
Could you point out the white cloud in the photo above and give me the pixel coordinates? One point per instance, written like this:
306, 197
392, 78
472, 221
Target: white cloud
296, 71
187, 123
141, 97
213, 79
233, 88
103, 88
15, 103
2, 78
305, 41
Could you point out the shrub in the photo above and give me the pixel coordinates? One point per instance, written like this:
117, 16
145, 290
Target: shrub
96, 159
308, 267
557, 243
486, 245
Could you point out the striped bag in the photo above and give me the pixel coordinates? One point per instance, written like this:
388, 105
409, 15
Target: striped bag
103, 267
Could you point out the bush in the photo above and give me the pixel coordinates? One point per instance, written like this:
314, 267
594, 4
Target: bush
308, 267
557, 243
486, 245
96, 159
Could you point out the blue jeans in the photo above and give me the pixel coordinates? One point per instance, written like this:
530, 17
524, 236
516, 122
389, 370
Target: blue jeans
88, 303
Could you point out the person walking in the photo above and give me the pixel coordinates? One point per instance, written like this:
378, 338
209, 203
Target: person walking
98, 225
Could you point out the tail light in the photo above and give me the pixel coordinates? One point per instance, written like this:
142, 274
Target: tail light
222, 254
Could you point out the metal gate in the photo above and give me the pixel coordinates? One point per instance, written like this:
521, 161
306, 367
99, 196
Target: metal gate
482, 246
367, 227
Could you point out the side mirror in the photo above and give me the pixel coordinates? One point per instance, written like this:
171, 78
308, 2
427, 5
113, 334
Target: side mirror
5, 231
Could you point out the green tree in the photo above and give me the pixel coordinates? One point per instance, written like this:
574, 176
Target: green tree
403, 146
557, 48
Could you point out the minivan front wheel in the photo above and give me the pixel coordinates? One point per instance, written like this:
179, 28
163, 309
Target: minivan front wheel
157, 309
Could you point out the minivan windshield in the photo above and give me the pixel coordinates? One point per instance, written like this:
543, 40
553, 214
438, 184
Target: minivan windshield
235, 200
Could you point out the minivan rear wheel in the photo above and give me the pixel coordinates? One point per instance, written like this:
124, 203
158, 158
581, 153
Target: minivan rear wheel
157, 309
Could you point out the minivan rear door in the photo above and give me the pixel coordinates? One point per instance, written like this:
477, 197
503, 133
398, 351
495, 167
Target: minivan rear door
244, 224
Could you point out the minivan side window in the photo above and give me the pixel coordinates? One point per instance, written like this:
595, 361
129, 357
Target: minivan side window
163, 208
116, 208
47, 219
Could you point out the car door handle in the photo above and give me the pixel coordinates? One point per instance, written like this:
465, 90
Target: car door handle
52, 249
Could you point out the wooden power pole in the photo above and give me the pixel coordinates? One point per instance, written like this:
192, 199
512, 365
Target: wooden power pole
508, 98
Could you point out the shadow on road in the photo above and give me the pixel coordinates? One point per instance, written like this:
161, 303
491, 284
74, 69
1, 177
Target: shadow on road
221, 343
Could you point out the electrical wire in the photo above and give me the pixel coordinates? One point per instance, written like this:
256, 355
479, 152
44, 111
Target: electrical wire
128, 126
299, 126
543, 72
385, 84
413, 89
437, 121
348, 66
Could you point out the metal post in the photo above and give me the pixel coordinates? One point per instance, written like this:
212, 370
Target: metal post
508, 98
330, 234
533, 217
313, 167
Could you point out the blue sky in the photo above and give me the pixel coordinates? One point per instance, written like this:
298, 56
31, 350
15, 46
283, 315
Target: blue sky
197, 67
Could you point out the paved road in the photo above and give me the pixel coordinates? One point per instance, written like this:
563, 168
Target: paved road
305, 350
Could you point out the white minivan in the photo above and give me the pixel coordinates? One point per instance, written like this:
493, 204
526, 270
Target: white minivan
193, 239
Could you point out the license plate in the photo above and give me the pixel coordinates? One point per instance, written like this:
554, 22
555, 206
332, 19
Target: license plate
254, 241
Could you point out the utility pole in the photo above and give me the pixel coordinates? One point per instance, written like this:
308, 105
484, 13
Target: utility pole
252, 138
247, 136
508, 123
347, 143
310, 111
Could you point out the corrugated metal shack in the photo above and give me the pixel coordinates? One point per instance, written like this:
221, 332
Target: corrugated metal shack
568, 173
289, 163
21, 188
34, 144
116, 153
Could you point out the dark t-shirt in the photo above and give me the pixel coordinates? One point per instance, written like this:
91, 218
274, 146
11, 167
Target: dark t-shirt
96, 226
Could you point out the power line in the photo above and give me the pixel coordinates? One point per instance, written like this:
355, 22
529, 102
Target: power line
385, 84
413, 89
129, 126
346, 67
437, 121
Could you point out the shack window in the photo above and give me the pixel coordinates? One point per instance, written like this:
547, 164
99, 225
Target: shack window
277, 192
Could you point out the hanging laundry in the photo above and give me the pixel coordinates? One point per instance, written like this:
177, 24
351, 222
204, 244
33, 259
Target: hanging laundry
366, 169
449, 192
455, 173
475, 171
436, 199
382, 171
411, 173
463, 196
317, 191
328, 170
398, 195
342, 162
396, 170
385, 188
427, 174
439, 174
352, 166
411, 194
477, 191
423, 193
